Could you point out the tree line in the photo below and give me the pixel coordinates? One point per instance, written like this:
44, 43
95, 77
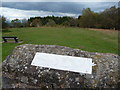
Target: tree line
107, 19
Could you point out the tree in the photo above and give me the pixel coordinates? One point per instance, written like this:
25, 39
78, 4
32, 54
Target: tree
16, 23
36, 23
66, 23
87, 19
24, 22
3, 22
74, 22
51, 23
110, 18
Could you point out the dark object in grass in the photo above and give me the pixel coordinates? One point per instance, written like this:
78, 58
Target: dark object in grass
6, 38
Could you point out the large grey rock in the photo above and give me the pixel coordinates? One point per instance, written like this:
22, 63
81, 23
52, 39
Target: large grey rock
18, 72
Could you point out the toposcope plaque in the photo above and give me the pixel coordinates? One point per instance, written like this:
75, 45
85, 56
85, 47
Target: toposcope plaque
62, 62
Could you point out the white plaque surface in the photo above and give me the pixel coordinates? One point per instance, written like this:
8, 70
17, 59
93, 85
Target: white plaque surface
62, 62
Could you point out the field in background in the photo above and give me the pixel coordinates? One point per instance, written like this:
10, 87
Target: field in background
85, 39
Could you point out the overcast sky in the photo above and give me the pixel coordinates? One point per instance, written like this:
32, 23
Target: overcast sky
11, 13
25, 10
60, 0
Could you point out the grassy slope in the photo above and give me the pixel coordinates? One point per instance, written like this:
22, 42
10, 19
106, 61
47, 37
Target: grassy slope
89, 40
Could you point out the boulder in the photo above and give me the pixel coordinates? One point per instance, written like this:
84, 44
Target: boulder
17, 71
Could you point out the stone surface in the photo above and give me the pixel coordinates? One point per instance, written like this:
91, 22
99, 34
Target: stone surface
19, 73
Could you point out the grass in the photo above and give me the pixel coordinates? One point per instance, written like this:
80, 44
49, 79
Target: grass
89, 40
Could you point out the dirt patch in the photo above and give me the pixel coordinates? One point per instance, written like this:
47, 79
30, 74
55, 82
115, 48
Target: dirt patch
107, 30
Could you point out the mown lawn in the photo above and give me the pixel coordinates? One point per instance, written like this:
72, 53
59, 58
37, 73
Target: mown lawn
89, 40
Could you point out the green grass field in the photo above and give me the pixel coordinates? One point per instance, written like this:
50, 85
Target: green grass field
89, 40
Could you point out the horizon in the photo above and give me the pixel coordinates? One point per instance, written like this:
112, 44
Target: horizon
25, 10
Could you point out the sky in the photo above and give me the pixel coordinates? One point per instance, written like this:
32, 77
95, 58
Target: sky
60, 0
12, 13
13, 9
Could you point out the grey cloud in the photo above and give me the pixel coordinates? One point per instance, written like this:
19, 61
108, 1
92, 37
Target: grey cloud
11, 13
22, 10
64, 7
60, 0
